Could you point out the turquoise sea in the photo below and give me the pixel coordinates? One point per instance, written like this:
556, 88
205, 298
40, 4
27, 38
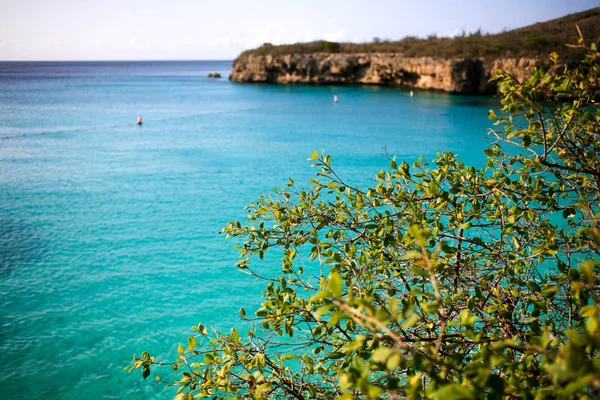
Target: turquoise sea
109, 232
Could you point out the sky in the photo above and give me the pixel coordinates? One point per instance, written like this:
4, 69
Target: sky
220, 30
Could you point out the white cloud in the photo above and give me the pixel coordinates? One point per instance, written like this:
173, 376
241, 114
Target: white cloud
276, 34
177, 43
338, 36
454, 33
309, 37
221, 43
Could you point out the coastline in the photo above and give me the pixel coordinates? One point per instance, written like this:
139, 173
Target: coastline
469, 76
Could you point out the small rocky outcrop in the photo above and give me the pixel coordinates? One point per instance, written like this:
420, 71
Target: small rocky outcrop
214, 75
464, 76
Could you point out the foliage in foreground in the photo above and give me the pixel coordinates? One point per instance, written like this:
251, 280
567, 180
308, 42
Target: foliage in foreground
441, 281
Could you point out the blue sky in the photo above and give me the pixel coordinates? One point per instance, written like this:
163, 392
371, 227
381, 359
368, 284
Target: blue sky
187, 29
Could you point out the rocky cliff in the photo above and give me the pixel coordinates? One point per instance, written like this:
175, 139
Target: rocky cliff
465, 76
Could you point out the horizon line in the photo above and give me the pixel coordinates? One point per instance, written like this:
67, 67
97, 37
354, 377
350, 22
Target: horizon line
119, 60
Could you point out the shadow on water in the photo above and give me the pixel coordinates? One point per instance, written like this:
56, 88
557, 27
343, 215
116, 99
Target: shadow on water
19, 244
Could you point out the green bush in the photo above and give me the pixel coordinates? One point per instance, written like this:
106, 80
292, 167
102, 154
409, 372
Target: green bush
536, 41
329, 47
440, 281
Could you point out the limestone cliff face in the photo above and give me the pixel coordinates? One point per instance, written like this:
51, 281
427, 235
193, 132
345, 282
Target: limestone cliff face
466, 76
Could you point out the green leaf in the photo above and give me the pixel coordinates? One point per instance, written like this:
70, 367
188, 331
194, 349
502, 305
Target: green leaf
410, 321
454, 392
587, 271
191, 343
381, 354
334, 284
288, 357
550, 292
374, 391
419, 271
393, 361
335, 355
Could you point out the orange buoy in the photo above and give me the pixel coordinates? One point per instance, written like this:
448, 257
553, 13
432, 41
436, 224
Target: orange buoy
139, 121
335, 99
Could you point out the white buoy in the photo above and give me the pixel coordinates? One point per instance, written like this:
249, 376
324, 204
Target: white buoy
335, 99
411, 94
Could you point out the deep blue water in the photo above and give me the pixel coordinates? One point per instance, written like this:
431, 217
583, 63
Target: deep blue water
109, 239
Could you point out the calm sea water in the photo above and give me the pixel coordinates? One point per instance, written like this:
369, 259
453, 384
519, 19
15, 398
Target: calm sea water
109, 239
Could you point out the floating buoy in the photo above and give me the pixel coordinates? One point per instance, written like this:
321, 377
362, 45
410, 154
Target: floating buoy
411, 94
335, 99
139, 121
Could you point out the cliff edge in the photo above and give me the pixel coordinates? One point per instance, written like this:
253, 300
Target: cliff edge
464, 75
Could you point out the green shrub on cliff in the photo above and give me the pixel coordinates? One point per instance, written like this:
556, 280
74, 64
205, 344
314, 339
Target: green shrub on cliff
440, 281
329, 47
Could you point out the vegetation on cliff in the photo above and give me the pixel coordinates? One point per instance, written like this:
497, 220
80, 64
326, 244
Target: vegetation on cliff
440, 281
531, 41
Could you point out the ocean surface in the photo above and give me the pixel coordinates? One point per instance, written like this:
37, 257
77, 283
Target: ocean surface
109, 231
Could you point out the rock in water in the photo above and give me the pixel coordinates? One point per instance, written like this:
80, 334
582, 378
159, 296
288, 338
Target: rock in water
214, 75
